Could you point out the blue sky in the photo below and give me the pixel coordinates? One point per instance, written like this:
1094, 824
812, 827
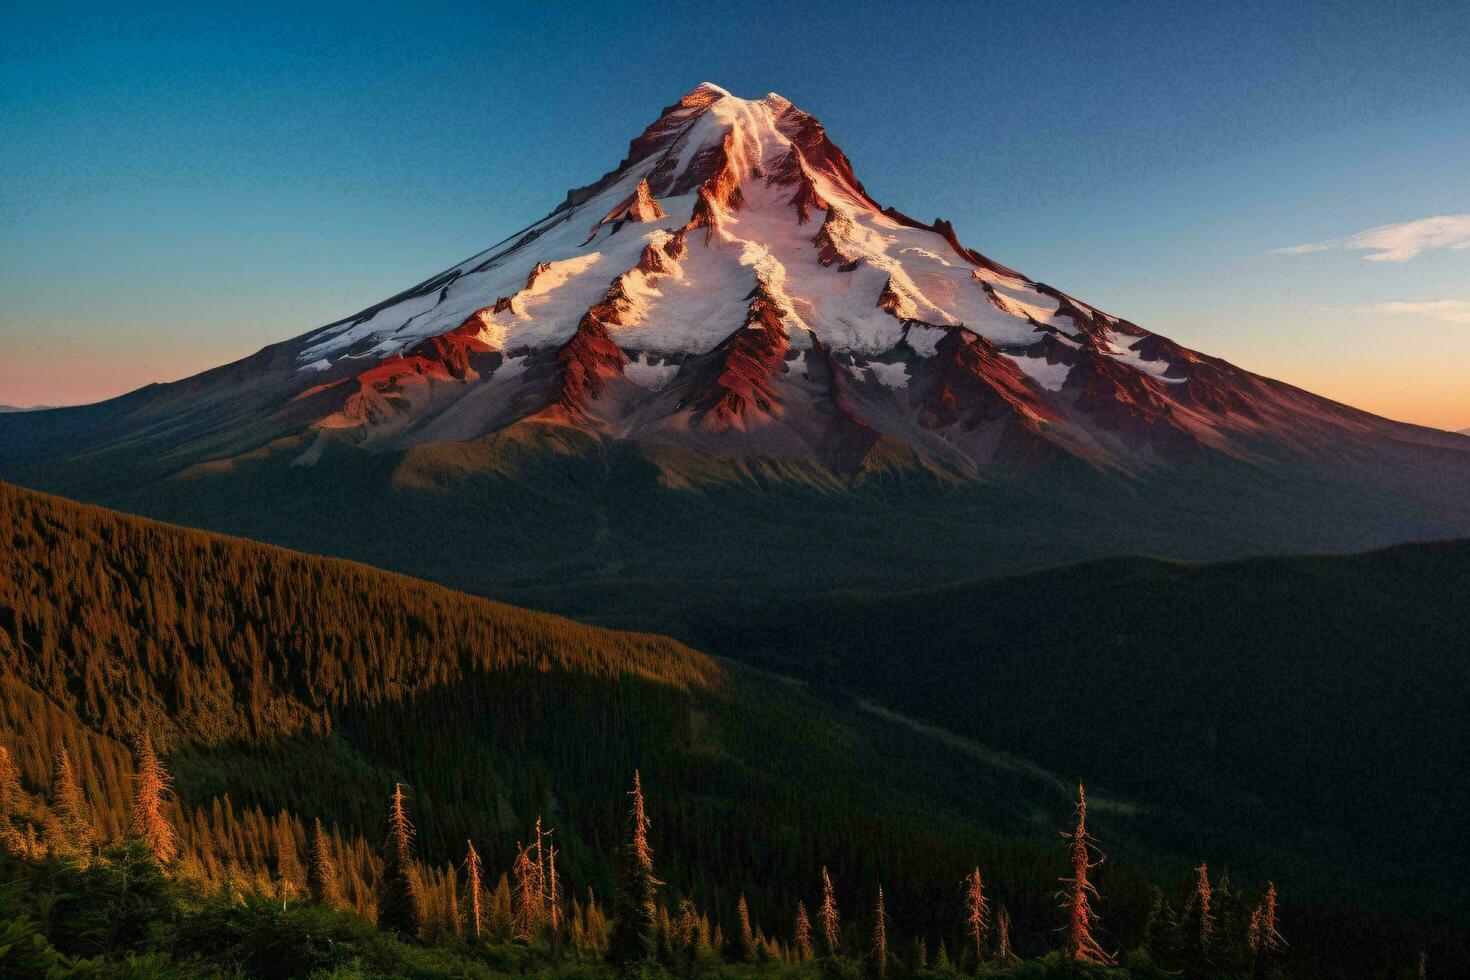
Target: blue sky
183, 183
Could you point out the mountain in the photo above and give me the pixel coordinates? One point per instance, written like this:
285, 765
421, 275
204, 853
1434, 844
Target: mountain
723, 366
285, 687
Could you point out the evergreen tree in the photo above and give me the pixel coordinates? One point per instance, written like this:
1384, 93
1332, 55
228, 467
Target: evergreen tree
745, 938
502, 917
401, 907
1231, 939
321, 869
879, 948
71, 806
1199, 916
526, 898
552, 901
1081, 945
801, 938
828, 917
688, 933
635, 898
472, 891
977, 914
149, 800
11, 836
1263, 937
1003, 951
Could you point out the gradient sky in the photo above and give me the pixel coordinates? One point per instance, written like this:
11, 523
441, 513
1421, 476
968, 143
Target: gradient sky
181, 184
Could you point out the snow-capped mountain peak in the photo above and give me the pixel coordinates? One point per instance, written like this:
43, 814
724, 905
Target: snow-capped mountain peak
732, 284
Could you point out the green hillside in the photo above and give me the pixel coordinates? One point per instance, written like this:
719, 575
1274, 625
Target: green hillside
284, 688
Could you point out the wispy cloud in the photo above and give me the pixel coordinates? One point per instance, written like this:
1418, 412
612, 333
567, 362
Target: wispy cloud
1449, 310
1399, 242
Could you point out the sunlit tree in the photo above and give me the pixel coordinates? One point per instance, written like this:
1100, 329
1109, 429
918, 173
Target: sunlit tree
801, 937
400, 907
1081, 943
828, 917
150, 797
977, 913
635, 910
321, 869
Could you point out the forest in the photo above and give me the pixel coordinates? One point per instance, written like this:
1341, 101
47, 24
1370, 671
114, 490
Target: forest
225, 758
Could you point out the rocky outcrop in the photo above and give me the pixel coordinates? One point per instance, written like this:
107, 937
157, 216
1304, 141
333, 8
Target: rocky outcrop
638, 206
737, 384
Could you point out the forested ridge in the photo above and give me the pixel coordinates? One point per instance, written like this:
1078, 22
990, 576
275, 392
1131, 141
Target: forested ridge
283, 697
239, 640
1242, 693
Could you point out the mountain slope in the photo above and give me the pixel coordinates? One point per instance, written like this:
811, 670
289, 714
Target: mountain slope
285, 687
1315, 703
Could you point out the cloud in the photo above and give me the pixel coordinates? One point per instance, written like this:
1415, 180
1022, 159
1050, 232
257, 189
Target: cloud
1399, 242
1449, 310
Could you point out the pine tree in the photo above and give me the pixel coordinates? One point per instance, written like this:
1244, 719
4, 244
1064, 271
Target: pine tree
634, 903
1199, 914
688, 936
553, 893
400, 908
288, 863
321, 870
10, 789
828, 917
149, 800
745, 938
919, 958
539, 867
502, 918
71, 806
472, 891
879, 947
1081, 945
1231, 939
1263, 937
801, 939
526, 897
11, 794
1003, 951
977, 914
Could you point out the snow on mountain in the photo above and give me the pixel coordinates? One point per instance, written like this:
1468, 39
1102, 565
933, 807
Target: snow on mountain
730, 286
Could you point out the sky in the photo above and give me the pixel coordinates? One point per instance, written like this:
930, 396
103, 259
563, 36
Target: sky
181, 184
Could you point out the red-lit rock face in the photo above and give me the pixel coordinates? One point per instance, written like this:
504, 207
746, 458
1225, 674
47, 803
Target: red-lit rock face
868, 337
745, 367
971, 381
393, 385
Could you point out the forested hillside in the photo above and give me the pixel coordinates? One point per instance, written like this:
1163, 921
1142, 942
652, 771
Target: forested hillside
1311, 705
281, 690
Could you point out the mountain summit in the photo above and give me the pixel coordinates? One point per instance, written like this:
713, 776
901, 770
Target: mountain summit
732, 286
729, 310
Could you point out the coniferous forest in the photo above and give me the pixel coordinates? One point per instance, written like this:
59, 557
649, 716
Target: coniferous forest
219, 758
